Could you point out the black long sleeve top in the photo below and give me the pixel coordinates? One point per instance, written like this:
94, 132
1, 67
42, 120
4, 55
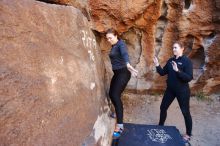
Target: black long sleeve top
177, 81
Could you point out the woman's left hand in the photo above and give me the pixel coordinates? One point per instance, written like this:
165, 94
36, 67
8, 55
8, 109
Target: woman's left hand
133, 71
175, 68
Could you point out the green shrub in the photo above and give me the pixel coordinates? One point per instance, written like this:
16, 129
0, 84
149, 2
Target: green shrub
202, 96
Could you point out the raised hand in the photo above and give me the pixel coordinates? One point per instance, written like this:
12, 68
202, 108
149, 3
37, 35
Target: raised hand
156, 62
175, 68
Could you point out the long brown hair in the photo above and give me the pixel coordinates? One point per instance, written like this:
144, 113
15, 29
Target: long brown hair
181, 44
112, 31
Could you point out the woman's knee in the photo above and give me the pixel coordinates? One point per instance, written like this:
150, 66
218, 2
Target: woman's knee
185, 112
163, 109
114, 95
163, 106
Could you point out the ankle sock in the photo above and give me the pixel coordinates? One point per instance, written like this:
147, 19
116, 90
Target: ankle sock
120, 126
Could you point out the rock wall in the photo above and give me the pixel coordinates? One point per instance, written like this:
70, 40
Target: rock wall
82, 5
150, 27
51, 77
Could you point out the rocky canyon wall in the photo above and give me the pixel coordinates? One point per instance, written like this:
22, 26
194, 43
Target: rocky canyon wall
53, 68
52, 89
150, 27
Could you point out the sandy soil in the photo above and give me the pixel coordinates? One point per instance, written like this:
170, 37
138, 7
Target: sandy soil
144, 109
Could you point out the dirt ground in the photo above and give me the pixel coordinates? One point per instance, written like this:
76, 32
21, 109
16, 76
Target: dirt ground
144, 109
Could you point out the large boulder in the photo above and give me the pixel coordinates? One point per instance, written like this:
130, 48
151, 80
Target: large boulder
51, 77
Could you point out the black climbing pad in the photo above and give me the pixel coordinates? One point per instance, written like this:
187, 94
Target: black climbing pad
149, 135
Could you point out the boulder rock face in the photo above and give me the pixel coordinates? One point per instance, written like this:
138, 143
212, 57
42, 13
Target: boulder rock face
150, 27
51, 77
82, 5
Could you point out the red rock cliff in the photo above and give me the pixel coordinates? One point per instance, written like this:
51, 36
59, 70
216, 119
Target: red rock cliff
150, 27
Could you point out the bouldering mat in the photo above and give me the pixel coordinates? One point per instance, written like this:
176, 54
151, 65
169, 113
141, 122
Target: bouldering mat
149, 135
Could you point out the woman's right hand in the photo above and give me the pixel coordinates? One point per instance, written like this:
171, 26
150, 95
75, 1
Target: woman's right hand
133, 71
156, 62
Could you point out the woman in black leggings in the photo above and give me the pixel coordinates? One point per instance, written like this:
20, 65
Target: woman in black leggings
179, 73
122, 73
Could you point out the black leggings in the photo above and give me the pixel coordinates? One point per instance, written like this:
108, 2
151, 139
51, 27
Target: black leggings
183, 100
118, 84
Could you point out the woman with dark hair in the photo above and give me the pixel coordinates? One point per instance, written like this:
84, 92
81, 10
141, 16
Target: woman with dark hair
179, 73
122, 73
